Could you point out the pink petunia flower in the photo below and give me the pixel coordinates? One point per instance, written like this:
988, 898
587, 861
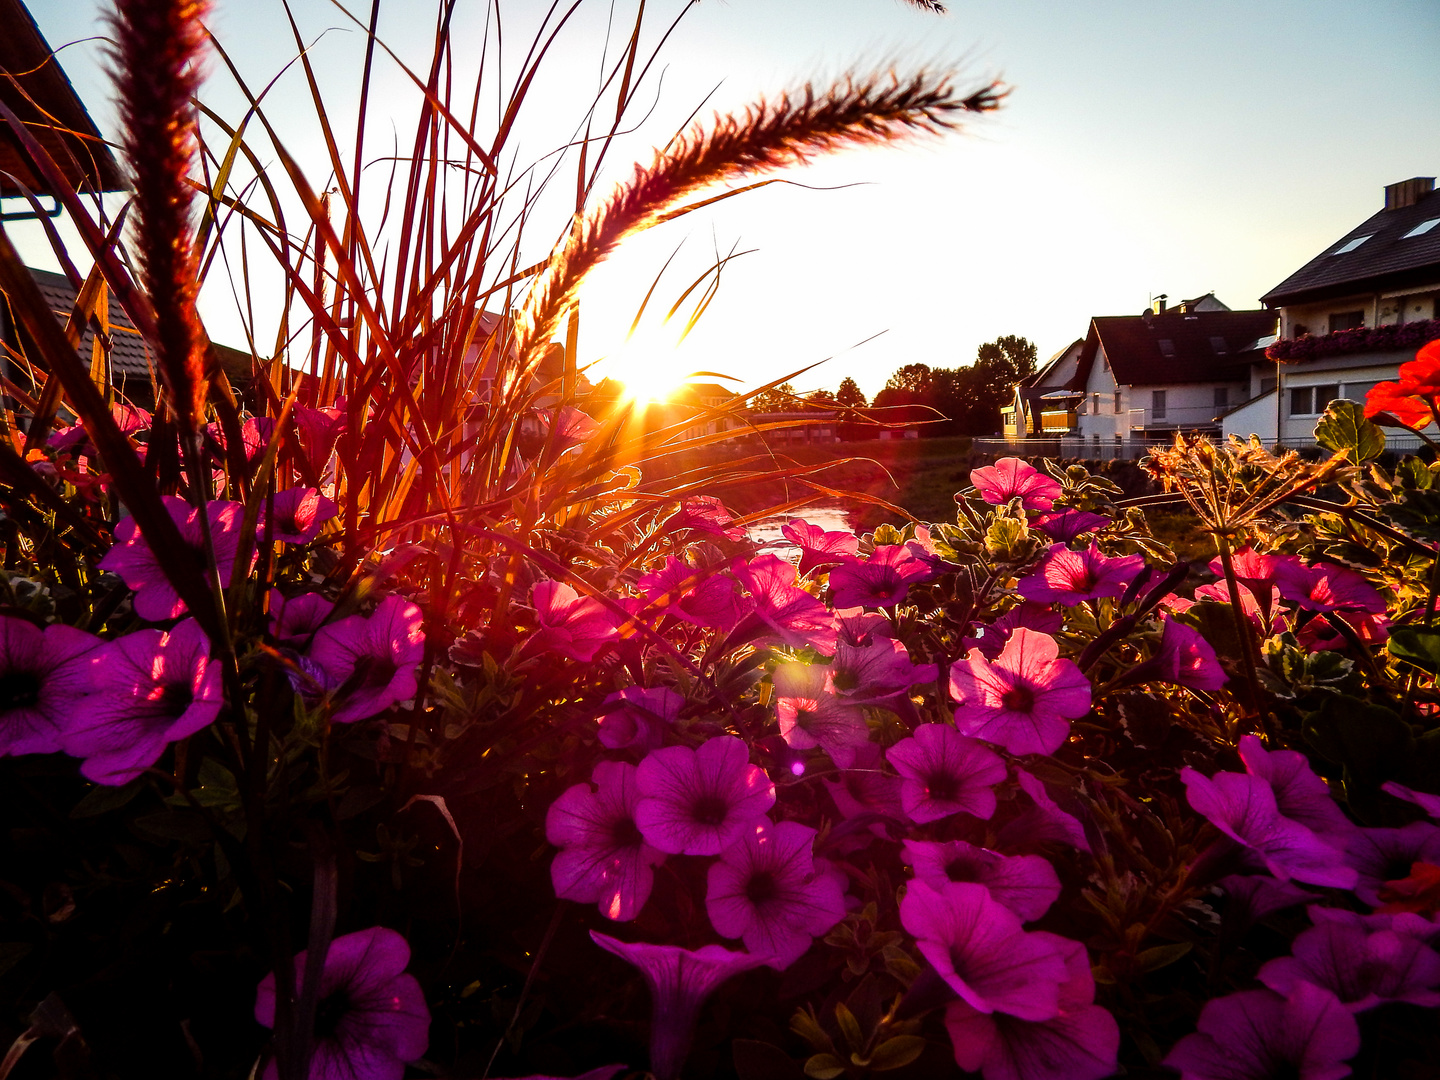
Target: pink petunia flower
1243, 808
1187, 659
810, 715
317, 431
368, 662
882, 580
781, 609
704, 514
764, 889
1010, 477
1079, 1043
299, 515
1026, 884
636, 718
1258, 1035
1363, 967
1068, 524
371, 1018
1380, 856
867, 791
1327, 587
568, 624
45, 680
699, 802
875, 673
819, 548
943, 773
699, 595
979, 948
680, 981
1069, 577
139, 567
294, 619
152, 688
1045, 821
575, 427
1025, 700
603, 857
1042, 618
1426, 801
1300, 795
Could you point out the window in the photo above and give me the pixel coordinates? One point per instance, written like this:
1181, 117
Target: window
1117, 402
1217, 345
1356, 391
1222, 397
1167, 347
1311, 400
1422, 228
1096, 403
1157, 404
1346, 320
1351, 245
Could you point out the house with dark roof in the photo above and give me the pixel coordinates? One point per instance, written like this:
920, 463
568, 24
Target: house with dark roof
1144, 377
1351, 316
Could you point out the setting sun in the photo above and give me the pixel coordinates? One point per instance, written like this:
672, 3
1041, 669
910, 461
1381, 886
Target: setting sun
647, 364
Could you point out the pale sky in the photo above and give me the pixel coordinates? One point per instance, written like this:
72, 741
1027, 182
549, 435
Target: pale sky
1147, 147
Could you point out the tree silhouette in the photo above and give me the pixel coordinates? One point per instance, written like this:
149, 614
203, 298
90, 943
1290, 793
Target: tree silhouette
850, 395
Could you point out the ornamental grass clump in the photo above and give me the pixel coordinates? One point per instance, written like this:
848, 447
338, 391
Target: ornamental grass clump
392, 719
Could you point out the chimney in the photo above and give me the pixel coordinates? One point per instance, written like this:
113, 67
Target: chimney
1408, 192
1157, 306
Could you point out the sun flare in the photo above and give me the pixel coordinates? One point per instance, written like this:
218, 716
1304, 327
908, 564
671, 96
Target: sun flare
648, 364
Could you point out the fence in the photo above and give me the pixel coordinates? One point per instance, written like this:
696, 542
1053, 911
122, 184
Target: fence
1134, 449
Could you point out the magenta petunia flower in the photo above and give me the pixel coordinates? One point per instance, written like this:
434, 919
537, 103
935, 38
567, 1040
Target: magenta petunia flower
810, 715
1025, 700
299, 514
699, 595
991, 638
1045, 821
1252, 897
45, 677
1068, 524
368, 662
1259, 1035
1187, 659
781, 609
1384, 855
1362, 967
1320, 635
1026, 884
1243, 807
1299, 794
1262, 607
1079, 1043
294, 619
765, 890
875, 673
680, 981
637, 718
371, 1018
152, 688
1010, 477
603, 858
1068, 577
978, 946
866, 790
882, 580
317, 431
819, 548
139, 567
569, 624
575, 427
943, 773
704, 514
699, 802
1427, 802
1327, 587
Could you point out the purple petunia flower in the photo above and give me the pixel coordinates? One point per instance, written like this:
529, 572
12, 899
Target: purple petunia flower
1025, 700
1252, 897
978, 946
1383, 855
1259, 1035
1299, 794
1079, 1043
1243, 808
1427, 802
781, 609
1009, 477
882, 580
636, 718
1327, 587
152, 688
368, 663
139, 567
810, 715
702, 596
1026, 884
1362, 967
680, 981
45, 676
603, 857
1068, 524
371, 1018
867, 790
945, 773
990, 639
819, 548
1069, 577
299, 514
699, 802
1187, 659
294, 619
764, 889
569, 624
705, 514
877, 672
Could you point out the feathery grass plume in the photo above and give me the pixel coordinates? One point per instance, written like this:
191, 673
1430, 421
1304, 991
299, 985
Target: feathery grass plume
156, 60
766, 136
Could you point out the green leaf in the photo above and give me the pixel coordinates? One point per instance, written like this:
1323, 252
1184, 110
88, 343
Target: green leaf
849, 1026
101, 798
1162, 955
1418, 645
1371, 741
824, 1067
896, 1053
1345, 429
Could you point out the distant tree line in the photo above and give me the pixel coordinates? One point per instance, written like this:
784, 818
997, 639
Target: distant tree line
968, 398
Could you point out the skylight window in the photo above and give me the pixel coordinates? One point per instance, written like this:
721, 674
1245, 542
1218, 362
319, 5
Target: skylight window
1422, 228
1167, 347
1351, 245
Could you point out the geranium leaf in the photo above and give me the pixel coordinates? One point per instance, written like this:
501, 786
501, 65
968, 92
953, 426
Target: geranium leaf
1345, 429
1418, 645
